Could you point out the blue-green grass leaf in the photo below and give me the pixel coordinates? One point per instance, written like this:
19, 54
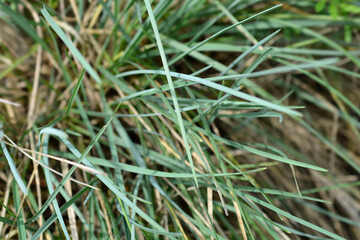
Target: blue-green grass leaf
70, 45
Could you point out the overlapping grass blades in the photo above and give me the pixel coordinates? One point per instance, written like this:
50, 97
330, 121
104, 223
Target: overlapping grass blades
155, 122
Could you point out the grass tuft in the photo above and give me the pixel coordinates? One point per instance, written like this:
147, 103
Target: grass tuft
179, 120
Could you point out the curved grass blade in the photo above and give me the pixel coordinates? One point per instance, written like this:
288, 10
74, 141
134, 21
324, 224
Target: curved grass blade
50, 186
209, 82
106, 180
221, 32
320, 37
292, 217
63, 208
156, 173
11, 163
24, 25
219, 87
171, 86
70, 45
261, 153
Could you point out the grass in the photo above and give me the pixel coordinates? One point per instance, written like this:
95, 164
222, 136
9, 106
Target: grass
178, 120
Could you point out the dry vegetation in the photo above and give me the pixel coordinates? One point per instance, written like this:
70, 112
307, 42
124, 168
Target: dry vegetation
134, 136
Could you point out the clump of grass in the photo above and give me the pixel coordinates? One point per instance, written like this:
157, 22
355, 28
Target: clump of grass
164, 112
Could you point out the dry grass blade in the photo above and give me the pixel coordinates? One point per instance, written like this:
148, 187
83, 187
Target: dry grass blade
80, 166
10, 102
174, 109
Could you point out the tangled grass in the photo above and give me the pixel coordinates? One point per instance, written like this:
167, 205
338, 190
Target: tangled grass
179, 119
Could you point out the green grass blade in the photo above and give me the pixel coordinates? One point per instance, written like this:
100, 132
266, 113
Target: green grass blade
294, 218
74, 92
223, 31
19, 211
63, 208
171, 86
11, 163
23, 23
71, 46
51, 188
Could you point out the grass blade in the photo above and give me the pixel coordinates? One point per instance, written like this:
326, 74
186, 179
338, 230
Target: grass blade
70, 45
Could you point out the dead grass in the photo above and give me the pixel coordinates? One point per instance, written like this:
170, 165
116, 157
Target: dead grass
36, 90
